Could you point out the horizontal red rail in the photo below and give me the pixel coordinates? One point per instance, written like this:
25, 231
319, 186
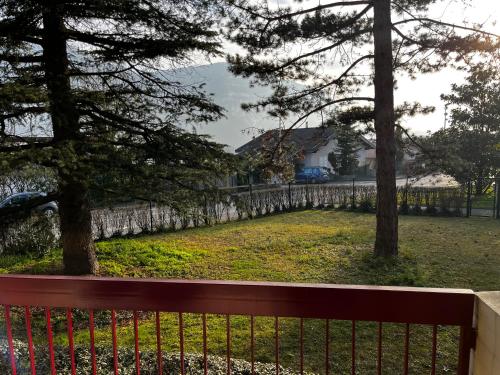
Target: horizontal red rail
321, 301
341, 302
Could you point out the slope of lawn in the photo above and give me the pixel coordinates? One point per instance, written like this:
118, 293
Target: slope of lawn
308, 246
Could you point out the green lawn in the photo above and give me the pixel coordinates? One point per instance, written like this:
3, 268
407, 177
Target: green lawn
308, 246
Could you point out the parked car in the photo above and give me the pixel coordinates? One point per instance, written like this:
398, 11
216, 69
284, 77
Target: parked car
20, 198
313, 175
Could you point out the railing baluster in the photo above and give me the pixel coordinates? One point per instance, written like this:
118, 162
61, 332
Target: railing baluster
181, 342
159, 358
252, 344
136, 341
277, 344
69, 322
10, 340
301, 346
327, 346
434, 347
27, 317
379, 349
465, 345
228, 344
407, 349
51, 341
205, 362
353, 347
92, 342
115, 345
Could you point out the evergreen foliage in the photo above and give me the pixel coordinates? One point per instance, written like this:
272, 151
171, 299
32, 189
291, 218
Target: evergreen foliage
87, 74
336, 49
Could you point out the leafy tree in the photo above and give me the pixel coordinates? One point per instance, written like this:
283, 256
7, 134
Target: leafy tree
336, 49
469, 148
87, 73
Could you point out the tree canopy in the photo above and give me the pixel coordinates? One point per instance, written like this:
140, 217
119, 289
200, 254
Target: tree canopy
97, 79
469, 146
341, 49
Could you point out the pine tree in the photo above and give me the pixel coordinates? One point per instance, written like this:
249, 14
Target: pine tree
87, 73
336, 49
344, 159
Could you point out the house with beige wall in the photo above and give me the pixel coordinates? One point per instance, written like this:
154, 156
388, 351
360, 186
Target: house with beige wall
312, 146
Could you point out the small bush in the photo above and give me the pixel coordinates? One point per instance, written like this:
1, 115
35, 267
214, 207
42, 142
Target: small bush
366, 205
431, 210
417, 210
35, 236
404, 209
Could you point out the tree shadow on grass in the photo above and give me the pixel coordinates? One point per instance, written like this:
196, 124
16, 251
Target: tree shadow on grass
366, 269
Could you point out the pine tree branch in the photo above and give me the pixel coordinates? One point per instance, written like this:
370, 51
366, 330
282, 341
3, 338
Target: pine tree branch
412, 139
336, 80
12, 59
423, 20
345, 39
27, 146
321, 7
319, 88
302, 11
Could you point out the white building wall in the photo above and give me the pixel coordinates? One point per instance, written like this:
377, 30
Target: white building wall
320, 157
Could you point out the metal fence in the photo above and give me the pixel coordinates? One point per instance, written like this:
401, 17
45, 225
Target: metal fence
251, 201
483, 198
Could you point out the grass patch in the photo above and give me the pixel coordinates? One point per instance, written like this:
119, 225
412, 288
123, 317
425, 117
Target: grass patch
308, 246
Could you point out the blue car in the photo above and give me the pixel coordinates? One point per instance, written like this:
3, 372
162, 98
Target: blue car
312, 175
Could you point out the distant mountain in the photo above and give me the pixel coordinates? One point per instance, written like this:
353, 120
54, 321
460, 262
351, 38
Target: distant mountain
230, 92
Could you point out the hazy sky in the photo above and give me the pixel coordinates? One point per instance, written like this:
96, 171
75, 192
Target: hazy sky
427, 88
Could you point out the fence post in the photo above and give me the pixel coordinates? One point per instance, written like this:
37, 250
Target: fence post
497, 197
494, 210
251, 199
406, 191
353, 205
469, 202
151, 215
307, 192
290, 196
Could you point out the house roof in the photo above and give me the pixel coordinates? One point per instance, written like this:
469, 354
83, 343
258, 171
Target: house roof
308, 139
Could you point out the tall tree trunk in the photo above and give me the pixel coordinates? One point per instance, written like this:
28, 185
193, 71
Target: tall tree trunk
386, 243
76, 223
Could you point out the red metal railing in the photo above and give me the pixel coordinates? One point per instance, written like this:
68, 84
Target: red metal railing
279, 300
